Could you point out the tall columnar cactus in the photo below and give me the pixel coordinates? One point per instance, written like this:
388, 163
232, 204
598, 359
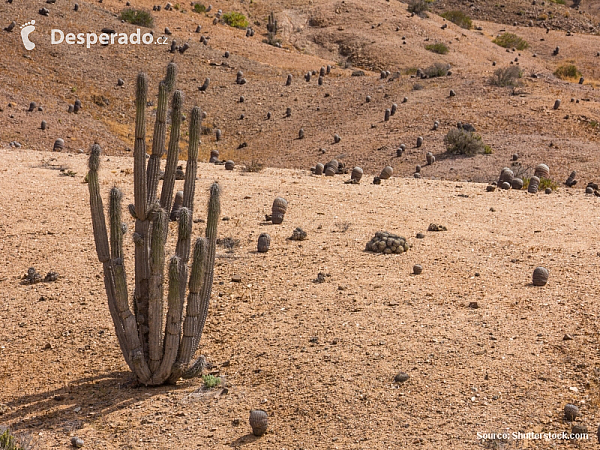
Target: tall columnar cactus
157, 351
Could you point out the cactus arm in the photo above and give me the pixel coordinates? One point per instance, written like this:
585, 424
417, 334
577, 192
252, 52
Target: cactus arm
158, 142
116, 224
191, 169
166, 195
96, 206
155, 289
102, 248
139, 150
193, 314
173, 322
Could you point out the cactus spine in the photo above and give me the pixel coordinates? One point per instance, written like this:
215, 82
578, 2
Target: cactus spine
157, 352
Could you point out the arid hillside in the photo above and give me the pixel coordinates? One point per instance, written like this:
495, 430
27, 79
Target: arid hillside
348, 36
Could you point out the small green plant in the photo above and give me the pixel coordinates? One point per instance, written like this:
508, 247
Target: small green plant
137, 17
508, 76
559, 2
9, 442
510, 40
544, 184
488, 150
410, 71
210, 381
235, 19
199, 8
418, 7
593, 123
461, 142
567, 71
439, 48
176, 7
67, 173
459, 18
437, 70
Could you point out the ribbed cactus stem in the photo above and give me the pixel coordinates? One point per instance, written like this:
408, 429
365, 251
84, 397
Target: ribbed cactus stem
173, 322
171, 77
191, 169
139, 150
214, 210
166, 195
96, 206
116, 224
184, 235
191, 325
158, 142
155, 288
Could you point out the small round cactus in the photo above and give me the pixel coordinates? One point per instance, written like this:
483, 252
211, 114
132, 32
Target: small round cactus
386, 173
43, 125
320, 81
229, 164
356, 175
333, 165
76, 442
264, 242
430, 158
226, 54
368, 99
177, 204
376, 180
557, 104
452, 93
393, 109
288, 82
259, 422
534, 183
542, 171
218, 134
506, 175
32, 106
516, 183
322, 72
278, 210
571, 412
419, 141
319, 169
288, 112
388, 112
418, 169
214, 156
436, 125
417, 269
269, 115
59, 145
336, 138
307, 76
505, 185
540, 276
301, 133
77, 106
571, 181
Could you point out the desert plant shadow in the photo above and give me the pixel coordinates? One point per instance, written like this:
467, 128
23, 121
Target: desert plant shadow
244, 440
101, 394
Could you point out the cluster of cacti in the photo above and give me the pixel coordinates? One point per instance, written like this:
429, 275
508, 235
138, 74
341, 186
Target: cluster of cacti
384, 242
571, 181
239, 79
157, 351
272, 24
436, 227
249, 32
540, 276
278, 211
264, 243
400, 150
430, 158
33, 276
592, 188
298, 234
507, 180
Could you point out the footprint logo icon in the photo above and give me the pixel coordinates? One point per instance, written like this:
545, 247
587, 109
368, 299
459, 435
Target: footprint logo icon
26, 30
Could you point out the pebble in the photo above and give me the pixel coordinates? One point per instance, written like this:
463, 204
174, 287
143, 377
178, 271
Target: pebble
401, 377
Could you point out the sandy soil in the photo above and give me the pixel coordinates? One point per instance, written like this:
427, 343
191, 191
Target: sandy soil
320, 358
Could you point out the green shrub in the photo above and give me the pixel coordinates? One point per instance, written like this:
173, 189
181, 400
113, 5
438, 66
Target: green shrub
567, 71
210, 381
253, 166
418, 7
9, 442
544, 184
235, 19
508, 76
439, 48
437, 70
461, 142
510, 40
199, 8
487, 150
137, 17
459, 18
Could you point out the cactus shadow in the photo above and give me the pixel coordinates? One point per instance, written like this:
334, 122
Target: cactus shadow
244, 440
68, 407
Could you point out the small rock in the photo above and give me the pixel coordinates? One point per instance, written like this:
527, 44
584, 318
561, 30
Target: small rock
571, 412
436, 227
420, 236
417, 269
76, 442
567, 337
473, 305
236, 279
